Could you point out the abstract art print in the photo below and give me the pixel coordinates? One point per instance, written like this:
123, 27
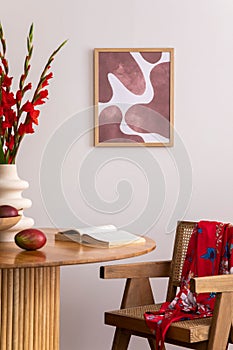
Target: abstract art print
134, 97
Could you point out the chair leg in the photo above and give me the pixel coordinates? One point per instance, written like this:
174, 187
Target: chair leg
221, 323
121, 340
152, 343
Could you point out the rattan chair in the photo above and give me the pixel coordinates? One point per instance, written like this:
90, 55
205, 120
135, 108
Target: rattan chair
206, 333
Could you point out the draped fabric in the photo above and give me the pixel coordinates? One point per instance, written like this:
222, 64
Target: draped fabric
209, 253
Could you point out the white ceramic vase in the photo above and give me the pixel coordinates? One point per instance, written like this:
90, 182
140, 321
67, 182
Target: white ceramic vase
11, 188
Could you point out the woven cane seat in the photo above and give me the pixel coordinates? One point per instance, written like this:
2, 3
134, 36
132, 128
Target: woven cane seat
190, 331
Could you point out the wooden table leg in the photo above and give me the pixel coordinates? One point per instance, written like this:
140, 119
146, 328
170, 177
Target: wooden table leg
30, 308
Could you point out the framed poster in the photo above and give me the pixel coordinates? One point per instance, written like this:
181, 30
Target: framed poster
134, 97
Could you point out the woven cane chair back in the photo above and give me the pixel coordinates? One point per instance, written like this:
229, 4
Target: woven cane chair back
183, 233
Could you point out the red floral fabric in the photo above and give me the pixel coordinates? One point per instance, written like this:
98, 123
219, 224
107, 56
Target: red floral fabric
209, 253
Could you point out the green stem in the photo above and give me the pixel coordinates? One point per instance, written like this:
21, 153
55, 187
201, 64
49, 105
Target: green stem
3, 54
43, 74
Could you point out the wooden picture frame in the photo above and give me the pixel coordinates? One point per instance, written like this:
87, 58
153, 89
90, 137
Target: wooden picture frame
133, 97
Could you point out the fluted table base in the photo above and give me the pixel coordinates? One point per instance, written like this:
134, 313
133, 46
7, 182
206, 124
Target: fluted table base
30, 308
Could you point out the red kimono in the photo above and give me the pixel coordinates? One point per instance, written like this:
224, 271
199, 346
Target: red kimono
209, 253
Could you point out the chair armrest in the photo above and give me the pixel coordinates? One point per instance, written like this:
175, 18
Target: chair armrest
136, 270
215, 284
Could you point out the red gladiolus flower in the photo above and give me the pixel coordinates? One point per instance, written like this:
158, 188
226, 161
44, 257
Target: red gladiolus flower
27, 107
5, 125
27, 87
34, 115
17, 116
41, 96
8, 99
25, 129
7, 81
19, 96
10, 117
46, 82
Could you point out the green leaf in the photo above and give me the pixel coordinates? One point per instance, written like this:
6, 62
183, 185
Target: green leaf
2, 157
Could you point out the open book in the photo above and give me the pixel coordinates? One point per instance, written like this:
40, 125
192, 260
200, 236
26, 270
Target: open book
101, 236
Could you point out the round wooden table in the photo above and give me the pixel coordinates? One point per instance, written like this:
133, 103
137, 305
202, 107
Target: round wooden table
30, 288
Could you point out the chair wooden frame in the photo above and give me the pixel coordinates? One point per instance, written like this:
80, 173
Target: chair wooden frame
212, 333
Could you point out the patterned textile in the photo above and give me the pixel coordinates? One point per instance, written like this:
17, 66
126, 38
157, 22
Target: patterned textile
209, 253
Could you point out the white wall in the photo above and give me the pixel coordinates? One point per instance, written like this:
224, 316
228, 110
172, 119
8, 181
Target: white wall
198, 168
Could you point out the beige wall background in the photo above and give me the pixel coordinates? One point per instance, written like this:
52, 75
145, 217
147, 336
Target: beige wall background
143, 190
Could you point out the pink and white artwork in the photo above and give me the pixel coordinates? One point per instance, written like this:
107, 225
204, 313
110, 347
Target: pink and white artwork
133, 97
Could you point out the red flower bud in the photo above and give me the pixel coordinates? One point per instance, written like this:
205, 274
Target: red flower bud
5, 63
19, 95
27, 87
49, 76
7, 81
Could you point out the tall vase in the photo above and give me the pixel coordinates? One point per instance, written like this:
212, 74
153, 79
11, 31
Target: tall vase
11, 188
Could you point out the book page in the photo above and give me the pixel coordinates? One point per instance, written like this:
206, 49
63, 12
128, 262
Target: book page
73, 235
113, 238
97, 229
